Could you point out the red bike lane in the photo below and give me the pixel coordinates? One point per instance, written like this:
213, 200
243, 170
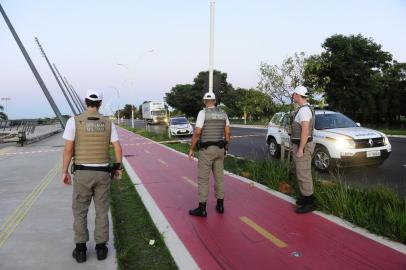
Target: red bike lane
257, 231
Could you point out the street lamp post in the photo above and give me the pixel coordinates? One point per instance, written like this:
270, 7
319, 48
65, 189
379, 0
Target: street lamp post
126, 67
5, 99
211, 46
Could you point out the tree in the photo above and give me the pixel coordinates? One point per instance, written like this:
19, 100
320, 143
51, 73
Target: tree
126, 112
188, 97
353, 66
315, 81
248, 103
3, 116
391, 99
220, 85
277, 81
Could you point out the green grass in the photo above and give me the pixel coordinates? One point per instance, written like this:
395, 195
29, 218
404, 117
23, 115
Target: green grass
133, 229
393, 131
379, 210
150, 135
262, 122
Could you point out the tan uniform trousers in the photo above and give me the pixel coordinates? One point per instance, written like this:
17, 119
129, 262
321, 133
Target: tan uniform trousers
210, 159
303, 167
88, 185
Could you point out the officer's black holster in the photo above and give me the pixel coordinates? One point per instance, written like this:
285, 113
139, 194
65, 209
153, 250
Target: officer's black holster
203, 145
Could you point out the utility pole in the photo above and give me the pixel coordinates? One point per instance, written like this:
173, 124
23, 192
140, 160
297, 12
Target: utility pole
132, 116
33, 69
211, 46
56, 76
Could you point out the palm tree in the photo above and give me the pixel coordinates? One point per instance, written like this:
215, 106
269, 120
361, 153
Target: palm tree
3, 116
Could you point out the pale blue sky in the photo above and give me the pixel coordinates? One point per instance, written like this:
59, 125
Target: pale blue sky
87, 39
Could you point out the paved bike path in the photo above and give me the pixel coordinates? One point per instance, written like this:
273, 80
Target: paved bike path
258, 229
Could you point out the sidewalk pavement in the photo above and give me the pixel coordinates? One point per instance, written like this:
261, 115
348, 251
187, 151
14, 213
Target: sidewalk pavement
35, 214
259, 229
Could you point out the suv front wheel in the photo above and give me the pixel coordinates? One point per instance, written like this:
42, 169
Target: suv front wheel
322, 160
274, 149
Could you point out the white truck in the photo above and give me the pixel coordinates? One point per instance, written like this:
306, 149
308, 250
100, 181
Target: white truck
154, 112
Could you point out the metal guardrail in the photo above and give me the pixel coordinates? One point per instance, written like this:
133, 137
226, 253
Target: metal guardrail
16, 130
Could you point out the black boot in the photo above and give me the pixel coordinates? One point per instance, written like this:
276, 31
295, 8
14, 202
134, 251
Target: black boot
220, 206
199, 211
79, 253
307, 206
101, 251
300, 201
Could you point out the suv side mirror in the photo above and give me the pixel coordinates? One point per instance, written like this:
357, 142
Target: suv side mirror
358, 124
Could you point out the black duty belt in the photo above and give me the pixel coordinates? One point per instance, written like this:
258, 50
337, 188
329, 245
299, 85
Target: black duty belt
91, 168
204, 145
297, 141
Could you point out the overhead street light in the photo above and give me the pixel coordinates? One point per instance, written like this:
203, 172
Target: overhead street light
126, 67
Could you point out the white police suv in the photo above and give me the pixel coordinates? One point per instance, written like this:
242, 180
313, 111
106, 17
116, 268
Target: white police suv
340, 142
179, 126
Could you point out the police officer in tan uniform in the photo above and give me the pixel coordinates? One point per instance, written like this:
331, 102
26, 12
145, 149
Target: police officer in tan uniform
212, 133
303, 148
87, 140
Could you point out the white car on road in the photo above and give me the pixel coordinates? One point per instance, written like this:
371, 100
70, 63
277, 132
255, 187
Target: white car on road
179, 126
339, 141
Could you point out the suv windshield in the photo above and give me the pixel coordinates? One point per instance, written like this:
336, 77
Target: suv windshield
333, 120
179, 121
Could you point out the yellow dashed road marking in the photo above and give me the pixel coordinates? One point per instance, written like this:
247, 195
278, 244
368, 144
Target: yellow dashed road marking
163, 162
190, 181
277, 242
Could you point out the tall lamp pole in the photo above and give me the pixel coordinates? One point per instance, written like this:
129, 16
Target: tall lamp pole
126, 67
211, 46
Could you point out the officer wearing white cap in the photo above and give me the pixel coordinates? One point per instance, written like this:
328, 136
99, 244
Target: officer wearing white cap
303, 148
212, 134
87, 140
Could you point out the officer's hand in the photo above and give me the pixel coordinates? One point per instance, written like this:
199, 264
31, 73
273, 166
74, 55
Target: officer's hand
118, 174
299, 153
66, 178
191, 154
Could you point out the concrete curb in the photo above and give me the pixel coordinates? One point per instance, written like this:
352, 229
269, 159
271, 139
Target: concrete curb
249, 126
42, 136
397, 136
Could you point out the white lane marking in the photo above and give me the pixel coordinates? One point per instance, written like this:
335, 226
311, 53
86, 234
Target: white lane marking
146, 151
28, 153
246, 136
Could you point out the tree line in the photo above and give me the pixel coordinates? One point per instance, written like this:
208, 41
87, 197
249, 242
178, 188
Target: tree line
352, 75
